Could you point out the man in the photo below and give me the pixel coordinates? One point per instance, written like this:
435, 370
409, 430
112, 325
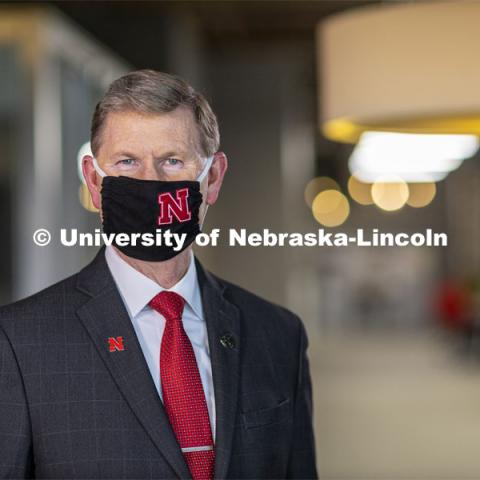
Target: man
144, 364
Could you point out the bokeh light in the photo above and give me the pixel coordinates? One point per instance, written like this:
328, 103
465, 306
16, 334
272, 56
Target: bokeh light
317, 185
360, 191
390, 193
421, 194
330, 208
85, 198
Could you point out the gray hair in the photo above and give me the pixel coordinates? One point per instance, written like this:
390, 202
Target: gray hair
149, 91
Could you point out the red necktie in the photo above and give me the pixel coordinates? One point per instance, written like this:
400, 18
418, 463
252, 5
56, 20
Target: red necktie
182, 390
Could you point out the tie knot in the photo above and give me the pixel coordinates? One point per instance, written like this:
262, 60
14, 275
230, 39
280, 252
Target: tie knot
169, 304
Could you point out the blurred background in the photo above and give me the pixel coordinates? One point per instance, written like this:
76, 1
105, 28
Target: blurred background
333, 114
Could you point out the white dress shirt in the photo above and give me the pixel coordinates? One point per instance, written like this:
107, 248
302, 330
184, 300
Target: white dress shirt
136, 291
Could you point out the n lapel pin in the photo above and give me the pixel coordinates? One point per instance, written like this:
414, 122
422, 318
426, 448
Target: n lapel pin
227, 340
115, 343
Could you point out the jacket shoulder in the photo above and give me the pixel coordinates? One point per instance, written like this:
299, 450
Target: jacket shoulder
49, 302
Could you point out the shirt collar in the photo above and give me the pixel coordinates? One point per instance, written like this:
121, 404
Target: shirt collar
136, 289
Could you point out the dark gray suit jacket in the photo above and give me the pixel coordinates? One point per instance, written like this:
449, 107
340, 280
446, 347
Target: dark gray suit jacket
70, 408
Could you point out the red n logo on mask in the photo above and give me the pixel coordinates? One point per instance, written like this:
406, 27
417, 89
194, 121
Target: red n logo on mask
170, 206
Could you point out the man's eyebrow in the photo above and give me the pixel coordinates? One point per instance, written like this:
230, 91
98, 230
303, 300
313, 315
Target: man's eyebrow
173, 151
124, 153
166, 154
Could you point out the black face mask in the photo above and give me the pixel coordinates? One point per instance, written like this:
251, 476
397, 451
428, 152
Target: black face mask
131, 205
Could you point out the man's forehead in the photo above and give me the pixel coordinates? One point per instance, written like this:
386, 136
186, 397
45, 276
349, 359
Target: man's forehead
127, 130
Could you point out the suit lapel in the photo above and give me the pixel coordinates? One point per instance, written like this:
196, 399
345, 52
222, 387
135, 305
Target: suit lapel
104, 316
223, 320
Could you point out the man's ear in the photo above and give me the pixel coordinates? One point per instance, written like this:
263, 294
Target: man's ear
92, 179
215, 177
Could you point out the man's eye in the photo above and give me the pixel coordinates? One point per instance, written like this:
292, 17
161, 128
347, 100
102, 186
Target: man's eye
126, 161
174, 162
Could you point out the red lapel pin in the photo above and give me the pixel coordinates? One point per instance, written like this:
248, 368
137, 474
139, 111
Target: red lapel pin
115, 343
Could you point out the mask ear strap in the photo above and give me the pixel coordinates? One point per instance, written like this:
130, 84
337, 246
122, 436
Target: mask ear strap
97, 168
205, 169
204, 215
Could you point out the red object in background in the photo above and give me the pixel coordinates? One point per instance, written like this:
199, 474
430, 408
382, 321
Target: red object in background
453, 306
